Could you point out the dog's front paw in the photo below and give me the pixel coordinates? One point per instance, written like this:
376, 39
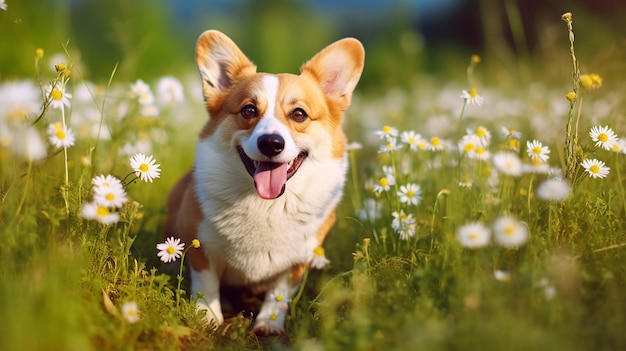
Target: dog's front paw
214, 316
268, 327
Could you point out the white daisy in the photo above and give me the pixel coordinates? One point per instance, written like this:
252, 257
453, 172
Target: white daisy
595, 168
508, 163
502, 276
554, 189
141, 91
3, 5
111, 195
473, 235
471, 97
318, 258
436, 144
403, 224
145, 167
58, 96
130, 311
411, 139
604, 137
410, 193
61, 136
387, 132
482, 133
169, 91
536, 150
391, 145
170, 250
509, 232
99, 213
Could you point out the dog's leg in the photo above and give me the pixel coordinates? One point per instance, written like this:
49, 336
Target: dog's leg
271, 318
207, 282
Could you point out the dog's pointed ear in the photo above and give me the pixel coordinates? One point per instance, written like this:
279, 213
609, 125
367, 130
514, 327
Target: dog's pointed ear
220, 63
338, 68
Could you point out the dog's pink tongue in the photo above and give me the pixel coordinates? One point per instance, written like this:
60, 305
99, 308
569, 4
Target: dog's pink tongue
270, 179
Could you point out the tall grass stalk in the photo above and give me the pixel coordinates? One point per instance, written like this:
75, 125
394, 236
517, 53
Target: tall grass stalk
571, 137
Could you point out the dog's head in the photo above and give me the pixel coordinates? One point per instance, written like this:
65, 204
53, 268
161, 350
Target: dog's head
277, 122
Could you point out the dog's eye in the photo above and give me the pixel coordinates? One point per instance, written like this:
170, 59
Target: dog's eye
299, 115
249, 111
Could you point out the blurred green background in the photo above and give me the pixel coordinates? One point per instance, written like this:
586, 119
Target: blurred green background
152, 38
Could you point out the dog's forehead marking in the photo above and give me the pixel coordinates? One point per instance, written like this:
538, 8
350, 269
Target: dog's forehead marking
270, 88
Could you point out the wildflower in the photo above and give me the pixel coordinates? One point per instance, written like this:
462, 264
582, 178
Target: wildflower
170, 250
99, 213
502, 276
403, 224
508, 163
387, 132
471, 96
595, 168
130, 311
620, 146
390, 174
410, 193
554, 189
412, 139
482, 133
145, 167
510, 133
141, 91
38, 51
195, 243
536, 150
571, 96
436, 144
481, 153
354, 146
384, 184
509, 232
591, 81
468, 144
390, 146
169, 91
318, 258
25, 143
3, 5
604, 137
58, 96
110, 194
473, 235
61, 136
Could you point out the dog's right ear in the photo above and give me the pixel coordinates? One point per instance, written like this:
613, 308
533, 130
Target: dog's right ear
220, 63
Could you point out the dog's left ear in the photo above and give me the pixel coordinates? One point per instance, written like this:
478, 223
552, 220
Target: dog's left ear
338, 68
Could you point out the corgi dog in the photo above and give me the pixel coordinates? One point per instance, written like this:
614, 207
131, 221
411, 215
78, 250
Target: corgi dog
269, 170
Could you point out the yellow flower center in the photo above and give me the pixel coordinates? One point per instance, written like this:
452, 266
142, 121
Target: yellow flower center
469, 147
509, 230
143, 167
56, 94
386, 129
411, 140
319, 251
278, 298
434, 141
102, 211
383, 182
170, 250
273, 316
537, 150
473, 93
513, 143
60, 134
481, 132
480, 150
594, 169
110, 196
410, 193
473, 236
603, 137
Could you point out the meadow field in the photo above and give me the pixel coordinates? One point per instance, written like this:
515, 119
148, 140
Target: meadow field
484, 207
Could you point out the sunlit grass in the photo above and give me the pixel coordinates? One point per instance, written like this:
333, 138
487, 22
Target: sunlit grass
472, 219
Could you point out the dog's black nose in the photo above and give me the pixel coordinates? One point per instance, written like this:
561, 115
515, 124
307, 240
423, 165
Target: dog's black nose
271, 145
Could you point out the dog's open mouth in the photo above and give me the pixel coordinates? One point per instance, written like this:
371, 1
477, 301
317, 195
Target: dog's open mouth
270, 178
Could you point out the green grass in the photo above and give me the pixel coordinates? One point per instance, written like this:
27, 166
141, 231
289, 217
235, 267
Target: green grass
64, 279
